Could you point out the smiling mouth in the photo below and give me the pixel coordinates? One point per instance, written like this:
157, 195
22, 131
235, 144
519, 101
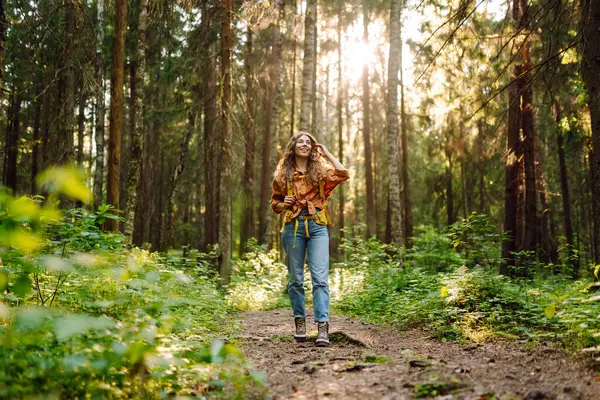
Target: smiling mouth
304, 149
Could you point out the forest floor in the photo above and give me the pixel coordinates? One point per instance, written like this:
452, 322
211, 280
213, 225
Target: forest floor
370, 362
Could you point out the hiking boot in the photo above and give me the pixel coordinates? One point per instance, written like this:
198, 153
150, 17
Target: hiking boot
300, 335
323, 334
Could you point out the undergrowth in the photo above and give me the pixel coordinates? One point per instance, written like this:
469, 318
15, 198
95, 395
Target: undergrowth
82, 316
449, 283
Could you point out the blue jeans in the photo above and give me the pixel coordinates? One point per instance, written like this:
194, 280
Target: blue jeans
317, 247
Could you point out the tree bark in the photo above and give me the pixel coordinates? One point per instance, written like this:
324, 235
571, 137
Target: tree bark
406, 203
511, 172
366, 102
547, 247
146, 190
392, 124
210, 150
294, 45
481, 164
225, 245
64, 144
309, 65
340, 127
271, 128
247, 226
527, 120
179, 167
450, 217
139, 104
2, 40
35, 152
463, 173
81, 124
314, 124
100, 109
116, 111
591, 76
564, 186
12, 143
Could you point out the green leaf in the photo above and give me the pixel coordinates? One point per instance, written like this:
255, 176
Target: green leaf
3, 280
444, 292
550, 311
67, 327
31, 318
65, 180
23, 207
22, 286
57, 264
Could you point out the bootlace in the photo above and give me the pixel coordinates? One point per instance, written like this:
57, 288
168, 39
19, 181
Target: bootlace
300, 325
323, 328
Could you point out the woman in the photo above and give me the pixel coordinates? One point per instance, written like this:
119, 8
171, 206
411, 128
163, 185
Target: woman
302, 184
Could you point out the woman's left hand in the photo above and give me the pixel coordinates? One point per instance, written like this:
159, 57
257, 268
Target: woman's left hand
321, 149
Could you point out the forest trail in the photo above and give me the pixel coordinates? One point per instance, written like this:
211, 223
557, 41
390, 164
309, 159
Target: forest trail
370, 362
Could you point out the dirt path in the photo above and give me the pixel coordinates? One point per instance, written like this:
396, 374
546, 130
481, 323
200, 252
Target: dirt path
369, 362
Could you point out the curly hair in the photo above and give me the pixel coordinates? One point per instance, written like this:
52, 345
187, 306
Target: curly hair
316, 167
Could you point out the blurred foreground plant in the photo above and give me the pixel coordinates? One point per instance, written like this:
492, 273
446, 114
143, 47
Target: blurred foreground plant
116, 323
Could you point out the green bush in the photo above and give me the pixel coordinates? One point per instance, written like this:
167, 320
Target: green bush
258, 280
81, 316
466, 303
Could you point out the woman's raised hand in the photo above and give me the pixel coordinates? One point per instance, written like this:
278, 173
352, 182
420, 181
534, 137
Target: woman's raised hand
321, 149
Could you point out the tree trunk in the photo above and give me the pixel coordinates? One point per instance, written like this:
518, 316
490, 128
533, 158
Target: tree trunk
564, 187
481, 164
247, 228
35, 152
12, 143
314, 125
451, 218
591, 76
156, 225
392, 123
226, 183
527, 115
406, 203
138, 123
179, 167
100, 109
340, 127
115, 129
64, 145
210, 149
199, 183
594, 212
2, 40
45, 141
463, 181
309, 65
294, 45
271, 128
81, 124
146, 190
548, 250
511, 174
366, 102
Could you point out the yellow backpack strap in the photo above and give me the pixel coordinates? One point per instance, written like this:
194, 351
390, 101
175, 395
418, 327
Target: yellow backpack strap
322, 194
290, 192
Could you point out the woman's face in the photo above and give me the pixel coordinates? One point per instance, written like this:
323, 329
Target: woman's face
303, 146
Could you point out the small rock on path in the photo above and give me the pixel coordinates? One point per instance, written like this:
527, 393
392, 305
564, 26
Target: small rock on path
370, 362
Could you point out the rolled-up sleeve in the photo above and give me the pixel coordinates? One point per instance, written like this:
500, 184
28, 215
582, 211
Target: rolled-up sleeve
276, 196
333, 178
